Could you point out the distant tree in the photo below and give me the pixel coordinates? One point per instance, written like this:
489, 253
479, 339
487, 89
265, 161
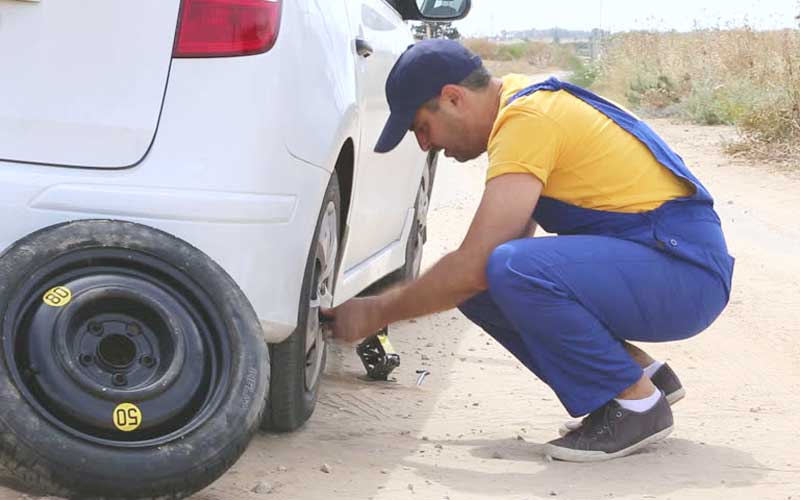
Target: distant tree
436, 30
556, 36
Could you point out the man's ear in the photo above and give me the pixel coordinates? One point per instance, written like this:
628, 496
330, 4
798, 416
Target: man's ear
453, 94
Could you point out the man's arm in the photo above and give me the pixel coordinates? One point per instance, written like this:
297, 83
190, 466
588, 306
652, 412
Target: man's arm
503, 215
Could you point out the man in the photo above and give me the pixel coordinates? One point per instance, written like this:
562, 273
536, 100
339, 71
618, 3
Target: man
640, 253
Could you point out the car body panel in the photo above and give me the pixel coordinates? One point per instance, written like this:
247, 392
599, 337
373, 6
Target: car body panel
83, 80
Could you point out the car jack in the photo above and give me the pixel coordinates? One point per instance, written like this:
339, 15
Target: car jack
378, 355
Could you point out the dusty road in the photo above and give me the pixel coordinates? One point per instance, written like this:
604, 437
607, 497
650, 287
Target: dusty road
474, 429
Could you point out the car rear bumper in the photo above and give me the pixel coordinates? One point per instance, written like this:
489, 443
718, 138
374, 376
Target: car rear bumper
260, 239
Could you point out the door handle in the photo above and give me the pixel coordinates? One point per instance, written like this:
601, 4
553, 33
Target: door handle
363, 48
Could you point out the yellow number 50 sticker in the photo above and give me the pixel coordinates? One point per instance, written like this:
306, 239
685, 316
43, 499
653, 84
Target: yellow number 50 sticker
58, 296
127, 417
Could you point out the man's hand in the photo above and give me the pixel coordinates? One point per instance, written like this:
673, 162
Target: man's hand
354, 320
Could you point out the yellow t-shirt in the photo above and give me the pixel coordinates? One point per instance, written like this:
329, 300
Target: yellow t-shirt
581, 156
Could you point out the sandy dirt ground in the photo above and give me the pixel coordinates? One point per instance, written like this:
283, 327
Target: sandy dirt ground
475, 427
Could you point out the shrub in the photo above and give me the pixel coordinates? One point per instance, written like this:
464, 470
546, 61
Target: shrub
742, 77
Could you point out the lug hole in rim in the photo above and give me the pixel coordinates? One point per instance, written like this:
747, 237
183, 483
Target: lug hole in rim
95, 328
147, 361
119, 379
133, 330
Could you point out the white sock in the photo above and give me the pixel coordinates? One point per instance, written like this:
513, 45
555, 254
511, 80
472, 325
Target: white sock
640, 405
653, 368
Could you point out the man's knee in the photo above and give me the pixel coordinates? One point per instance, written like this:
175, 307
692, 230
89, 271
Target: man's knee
498, 267
515, 266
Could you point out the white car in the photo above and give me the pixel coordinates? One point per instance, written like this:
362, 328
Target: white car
181, 180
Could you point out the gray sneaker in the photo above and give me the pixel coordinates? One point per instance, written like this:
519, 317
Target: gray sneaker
664, 379
612, 432
668, 382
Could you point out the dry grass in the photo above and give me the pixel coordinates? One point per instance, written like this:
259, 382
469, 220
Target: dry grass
742, 77
512, 57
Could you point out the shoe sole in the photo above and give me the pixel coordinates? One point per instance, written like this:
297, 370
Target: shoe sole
675, 396
569, 455
672, 398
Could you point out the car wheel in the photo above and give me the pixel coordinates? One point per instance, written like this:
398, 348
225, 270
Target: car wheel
416, 239
133, 366
298, 361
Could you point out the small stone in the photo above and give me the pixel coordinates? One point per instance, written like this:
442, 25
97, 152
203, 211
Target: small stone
424, 438
425, 357
326, 468
384, 471
410, 487
497, 455
553, 494
438, 446
476, 404
520, 438
281, 468
262, 488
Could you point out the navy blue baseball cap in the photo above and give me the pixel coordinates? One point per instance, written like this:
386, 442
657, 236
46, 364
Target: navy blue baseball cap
418, 76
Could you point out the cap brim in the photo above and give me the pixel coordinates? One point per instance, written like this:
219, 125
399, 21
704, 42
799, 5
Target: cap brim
395, 129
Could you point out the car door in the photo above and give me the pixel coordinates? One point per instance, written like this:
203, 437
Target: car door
384, 185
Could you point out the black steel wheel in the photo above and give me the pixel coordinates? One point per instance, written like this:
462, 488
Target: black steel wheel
133, 366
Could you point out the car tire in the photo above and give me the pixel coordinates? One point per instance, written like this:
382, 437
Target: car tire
299, 361
417, 236
133, 365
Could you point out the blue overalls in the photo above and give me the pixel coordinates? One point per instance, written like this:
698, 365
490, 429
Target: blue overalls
562, 305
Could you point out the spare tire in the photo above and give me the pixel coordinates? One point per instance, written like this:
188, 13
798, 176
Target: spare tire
132, 365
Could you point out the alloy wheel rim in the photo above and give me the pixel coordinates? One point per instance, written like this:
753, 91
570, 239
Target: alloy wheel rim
321, 292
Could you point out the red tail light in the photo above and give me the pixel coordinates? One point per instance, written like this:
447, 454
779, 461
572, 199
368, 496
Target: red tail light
215, 28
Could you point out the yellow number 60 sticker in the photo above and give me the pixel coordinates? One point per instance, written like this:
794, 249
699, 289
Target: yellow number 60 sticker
58, 296
127, 417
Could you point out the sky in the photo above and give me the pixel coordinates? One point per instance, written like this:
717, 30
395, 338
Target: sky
491, 16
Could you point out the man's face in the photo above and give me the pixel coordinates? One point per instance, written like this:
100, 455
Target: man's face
447, 129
